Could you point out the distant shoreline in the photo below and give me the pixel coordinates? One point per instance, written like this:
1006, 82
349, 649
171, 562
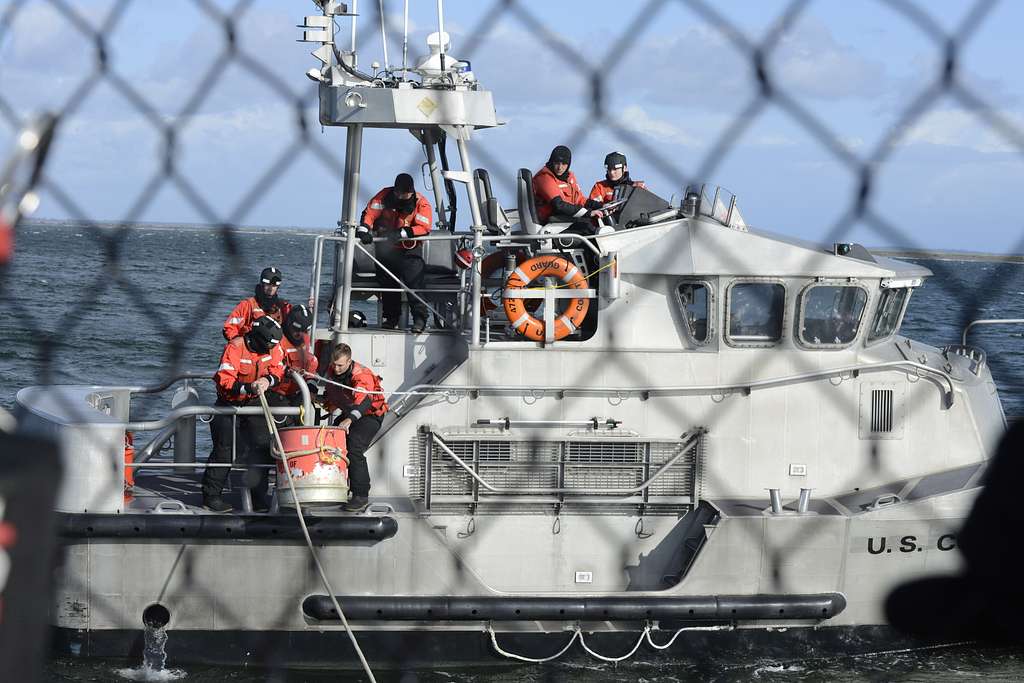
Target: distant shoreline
892, 252
942, 255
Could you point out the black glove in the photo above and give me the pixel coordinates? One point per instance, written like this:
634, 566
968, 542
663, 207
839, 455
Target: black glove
366, 237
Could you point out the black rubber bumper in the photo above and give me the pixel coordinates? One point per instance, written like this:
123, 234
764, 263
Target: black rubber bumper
261, 527
681, 608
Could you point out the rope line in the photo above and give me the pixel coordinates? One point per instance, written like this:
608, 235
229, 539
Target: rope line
615, 660
373, 392
272, 426
531, 660
578, 635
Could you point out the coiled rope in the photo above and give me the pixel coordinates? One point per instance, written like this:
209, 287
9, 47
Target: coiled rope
578, 635
272, 426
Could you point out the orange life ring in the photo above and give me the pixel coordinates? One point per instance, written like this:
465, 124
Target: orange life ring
546, 266
491, 268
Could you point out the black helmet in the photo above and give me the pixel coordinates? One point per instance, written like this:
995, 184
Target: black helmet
615, 159
264, 335
298, 322
270, 276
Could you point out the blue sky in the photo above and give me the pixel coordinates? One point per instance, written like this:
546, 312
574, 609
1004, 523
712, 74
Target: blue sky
672, 87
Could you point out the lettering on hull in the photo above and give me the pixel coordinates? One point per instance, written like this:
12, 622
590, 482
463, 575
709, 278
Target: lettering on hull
904, 544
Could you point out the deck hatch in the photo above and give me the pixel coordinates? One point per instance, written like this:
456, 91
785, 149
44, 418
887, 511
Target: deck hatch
584, 469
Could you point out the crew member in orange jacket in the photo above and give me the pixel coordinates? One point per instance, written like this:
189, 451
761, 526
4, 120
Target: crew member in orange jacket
557, 195
616, 176
264, 301
246, 371
361, 411
398, 213
297, 353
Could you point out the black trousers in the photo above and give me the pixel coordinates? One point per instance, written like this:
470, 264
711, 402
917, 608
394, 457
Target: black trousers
252, 447
293, 400
360, 434
410, 269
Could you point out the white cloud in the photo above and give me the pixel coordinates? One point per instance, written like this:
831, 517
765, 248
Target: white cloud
637, 120
961, 129
809, 61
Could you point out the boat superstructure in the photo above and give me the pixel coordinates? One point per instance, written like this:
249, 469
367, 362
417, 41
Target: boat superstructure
737, 439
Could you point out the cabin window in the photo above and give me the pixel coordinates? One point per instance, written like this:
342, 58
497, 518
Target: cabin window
830, 315
755, 313
696, 302
887, 316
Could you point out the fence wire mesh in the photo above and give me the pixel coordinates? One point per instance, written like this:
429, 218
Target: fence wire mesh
143, 307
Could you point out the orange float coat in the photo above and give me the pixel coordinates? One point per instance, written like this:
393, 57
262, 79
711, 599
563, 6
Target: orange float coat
604, 191
382, 218
295, 358
355, 404
240, 320
555, 196
240, 367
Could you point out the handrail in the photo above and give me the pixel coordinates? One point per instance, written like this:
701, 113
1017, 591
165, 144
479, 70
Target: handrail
707, 389
195, 411
157, 388
686, 448
454, 237
321, 240
989, 321
398, 280
155, 444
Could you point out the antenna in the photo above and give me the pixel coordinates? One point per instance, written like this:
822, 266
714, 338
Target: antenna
405, 42
355, 13
440, 29
384, 36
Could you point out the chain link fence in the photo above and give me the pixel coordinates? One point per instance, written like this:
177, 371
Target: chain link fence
137, 305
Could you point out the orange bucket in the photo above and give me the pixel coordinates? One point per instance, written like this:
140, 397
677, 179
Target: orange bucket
318, 460
129, 458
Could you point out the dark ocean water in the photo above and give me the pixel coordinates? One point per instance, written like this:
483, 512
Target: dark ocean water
88, 305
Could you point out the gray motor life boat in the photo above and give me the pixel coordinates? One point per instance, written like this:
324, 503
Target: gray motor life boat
689, 455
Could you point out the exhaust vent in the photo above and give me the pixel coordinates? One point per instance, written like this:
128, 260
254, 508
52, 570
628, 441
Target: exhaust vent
881, 411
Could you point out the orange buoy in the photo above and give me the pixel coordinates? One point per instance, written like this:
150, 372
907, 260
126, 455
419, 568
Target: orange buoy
545, 266
318, 460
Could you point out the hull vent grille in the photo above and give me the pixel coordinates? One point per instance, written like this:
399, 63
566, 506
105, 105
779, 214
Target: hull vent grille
881, 411
583, 470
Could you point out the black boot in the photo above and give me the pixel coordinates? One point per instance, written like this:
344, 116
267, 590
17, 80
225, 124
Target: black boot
216, 504
357, 504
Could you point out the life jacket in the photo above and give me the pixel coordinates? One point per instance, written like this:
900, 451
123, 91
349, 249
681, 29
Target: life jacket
547, 186
240, 366
383, 218
240, 320
604, 190
347, 400
295, 358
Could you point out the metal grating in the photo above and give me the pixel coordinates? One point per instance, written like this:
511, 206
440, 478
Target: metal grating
881, 411
585, 468
605, 451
